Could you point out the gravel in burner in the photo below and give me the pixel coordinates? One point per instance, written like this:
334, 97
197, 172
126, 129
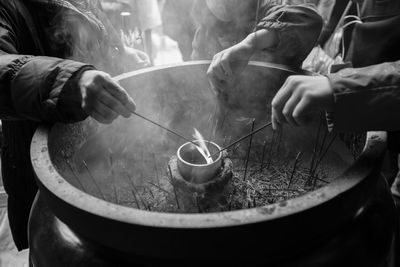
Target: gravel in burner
270, 185
263, 185
276, 171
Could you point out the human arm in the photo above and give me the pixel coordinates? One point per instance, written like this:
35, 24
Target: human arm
367, 98
53, 90
128, 58
42, 88
229, 63
288, 32
359, 99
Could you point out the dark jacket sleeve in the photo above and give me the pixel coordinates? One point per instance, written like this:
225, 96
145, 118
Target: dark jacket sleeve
37, 88
299, 27
367, 98
336, 14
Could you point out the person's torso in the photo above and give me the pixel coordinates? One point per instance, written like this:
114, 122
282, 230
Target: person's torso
377, 39
77, 33
214, 34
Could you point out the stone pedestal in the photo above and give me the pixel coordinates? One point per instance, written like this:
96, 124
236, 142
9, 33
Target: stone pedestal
208, 196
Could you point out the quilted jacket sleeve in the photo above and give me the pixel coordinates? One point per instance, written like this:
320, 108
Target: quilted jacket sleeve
298, 27
37, 88
367, 98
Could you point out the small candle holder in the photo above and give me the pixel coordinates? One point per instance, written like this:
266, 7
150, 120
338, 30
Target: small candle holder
193, 166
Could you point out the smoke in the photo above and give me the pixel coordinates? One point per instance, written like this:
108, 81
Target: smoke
81, 32
178, 98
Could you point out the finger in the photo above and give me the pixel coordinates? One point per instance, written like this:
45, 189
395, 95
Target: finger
277, 113
212, 87
108, 100
104, 111
280, 99
216, 84
215, 67
120, 94
290, 105
275, 123
284, 93
299, 113
225, 65
217, 70
98, 117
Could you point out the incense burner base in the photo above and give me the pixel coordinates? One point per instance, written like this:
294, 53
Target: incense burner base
208, 196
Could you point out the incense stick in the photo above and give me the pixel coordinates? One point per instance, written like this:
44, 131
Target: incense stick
248, 150
173, 187
294, 168
93, 180
165, 128
74, 174
242, 138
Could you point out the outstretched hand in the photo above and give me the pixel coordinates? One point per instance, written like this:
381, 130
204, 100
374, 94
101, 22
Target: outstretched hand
227, 65
103, 98
299, 96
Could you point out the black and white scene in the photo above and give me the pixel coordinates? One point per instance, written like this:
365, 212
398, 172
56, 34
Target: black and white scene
204, 133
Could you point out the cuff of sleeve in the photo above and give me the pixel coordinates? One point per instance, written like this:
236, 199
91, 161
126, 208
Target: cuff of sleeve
344, 117
276, 26
271, 25
69, 104
288, 50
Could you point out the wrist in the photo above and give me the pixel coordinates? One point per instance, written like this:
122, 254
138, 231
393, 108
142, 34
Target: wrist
70, 98
261, 39
329, 92
250, 42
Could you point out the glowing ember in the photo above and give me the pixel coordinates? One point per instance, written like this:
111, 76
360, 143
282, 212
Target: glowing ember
202, 147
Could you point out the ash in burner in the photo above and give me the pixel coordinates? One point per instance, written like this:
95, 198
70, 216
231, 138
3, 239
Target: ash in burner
247, 176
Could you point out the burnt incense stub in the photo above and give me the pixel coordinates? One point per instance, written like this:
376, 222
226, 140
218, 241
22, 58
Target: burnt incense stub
201, 197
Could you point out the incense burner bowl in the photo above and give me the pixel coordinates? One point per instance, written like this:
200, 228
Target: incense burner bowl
88, 176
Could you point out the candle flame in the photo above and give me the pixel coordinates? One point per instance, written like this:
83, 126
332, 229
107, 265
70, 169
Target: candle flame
202, 147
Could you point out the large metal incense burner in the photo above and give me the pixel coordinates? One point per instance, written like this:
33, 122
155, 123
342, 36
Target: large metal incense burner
297, 197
